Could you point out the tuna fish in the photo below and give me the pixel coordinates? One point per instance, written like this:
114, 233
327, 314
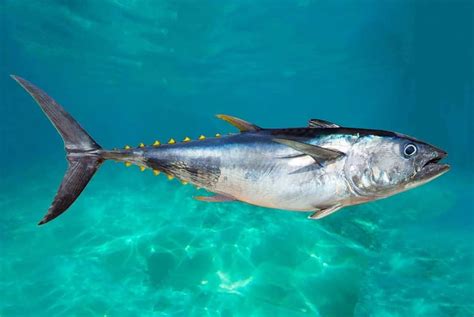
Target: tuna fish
319, 169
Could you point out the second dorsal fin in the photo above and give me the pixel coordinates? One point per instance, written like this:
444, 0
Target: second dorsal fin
318, 123
240, 124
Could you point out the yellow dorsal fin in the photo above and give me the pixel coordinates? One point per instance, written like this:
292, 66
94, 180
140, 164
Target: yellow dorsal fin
157, 143
202, 137
156, 172
171, 141
240, 124
186, 139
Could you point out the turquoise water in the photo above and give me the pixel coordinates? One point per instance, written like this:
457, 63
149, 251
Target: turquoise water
138, 245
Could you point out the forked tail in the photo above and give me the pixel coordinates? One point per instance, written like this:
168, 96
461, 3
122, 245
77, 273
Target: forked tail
83, 154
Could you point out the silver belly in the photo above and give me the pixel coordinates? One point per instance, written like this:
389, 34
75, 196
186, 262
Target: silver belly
276, 183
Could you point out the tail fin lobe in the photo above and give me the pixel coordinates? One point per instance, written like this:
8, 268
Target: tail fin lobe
78, 175
74, 136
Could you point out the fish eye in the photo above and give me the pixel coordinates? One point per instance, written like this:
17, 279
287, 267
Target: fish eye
410, 149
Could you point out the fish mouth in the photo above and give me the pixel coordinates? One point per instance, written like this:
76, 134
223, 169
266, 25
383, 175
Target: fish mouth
432, 168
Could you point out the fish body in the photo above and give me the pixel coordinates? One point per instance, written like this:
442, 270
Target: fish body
319, 168
252, 168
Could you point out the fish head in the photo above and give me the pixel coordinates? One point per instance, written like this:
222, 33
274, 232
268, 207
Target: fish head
380, 166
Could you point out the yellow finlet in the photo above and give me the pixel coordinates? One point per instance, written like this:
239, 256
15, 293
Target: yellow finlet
202, 137
156, 172
171, 141
142, 145
218, 135
128, 164
170, 177
184, 182
142, 168
157, 143
186, 139
127, 147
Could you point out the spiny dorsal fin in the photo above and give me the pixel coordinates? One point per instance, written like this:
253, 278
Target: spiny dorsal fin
319, 154
240, 124
318, 123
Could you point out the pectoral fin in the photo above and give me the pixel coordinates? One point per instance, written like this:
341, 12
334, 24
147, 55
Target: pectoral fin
215, 199
318, 123
240, 124
319, 154
321, 213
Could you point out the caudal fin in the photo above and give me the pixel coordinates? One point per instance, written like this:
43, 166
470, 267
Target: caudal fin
82, 152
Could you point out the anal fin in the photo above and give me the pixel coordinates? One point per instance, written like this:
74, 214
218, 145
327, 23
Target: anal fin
215, 199
321, 213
